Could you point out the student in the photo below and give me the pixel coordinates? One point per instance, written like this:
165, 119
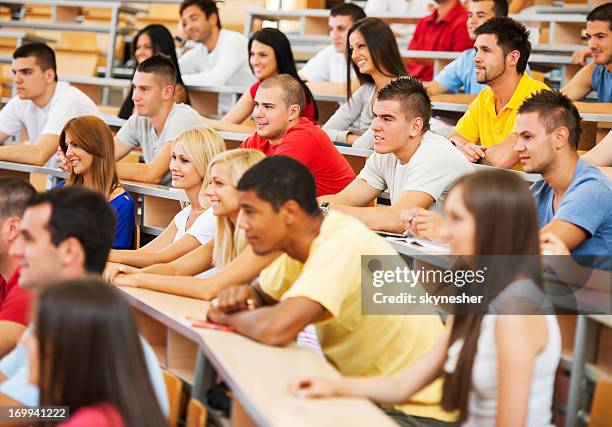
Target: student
504, 374
414, 164
328, 69
14, 301
281, 131
443, 30
87, 144
375, 59
597, 75
269, 55
573, 199
219, 57
84, 353
158, 120
280, 213
65, 234
485, 133
41, 108
226, 259
147, 42
194, 225
461, 73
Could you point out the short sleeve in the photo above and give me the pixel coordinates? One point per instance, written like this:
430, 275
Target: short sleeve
254, 87
372, 172
9, 364
467, 126
450, 76
124, 228
128, 134
204, 228
16, 307
17, 386
10, 123
277, 278
589, 195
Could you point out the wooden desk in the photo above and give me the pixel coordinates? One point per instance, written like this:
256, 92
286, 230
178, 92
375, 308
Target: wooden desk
258, 375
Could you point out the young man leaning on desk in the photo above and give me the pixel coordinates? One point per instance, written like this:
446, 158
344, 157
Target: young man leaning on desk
414, 164
302, 286
41, 108
155, 124
597, 75
485, 134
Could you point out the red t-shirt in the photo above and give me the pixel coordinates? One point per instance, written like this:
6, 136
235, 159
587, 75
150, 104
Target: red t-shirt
103, 415
449, 34
308, 144
14, 301
309, 109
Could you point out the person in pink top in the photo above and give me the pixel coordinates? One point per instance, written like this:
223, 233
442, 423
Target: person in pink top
84, 352
281, 131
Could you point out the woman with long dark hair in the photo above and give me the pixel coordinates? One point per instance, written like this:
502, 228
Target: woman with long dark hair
269, 55
498, 370
85, 353
373, 54
147, 42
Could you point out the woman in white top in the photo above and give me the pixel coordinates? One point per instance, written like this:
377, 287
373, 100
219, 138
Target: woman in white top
193, 226
233, 260
375, 58
499, 370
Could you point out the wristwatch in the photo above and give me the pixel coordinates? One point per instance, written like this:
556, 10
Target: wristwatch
324, 207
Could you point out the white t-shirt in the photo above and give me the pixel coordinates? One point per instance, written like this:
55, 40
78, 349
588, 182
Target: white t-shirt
434, 166
203, 228
326, 66
67, 102
227, 64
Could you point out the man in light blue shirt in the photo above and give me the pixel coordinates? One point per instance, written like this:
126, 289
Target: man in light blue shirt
65, 234
574, 199
461, 73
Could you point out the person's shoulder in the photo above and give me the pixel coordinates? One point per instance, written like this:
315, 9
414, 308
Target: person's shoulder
184, 112
439, 149
534, 85
233, 36
591, 176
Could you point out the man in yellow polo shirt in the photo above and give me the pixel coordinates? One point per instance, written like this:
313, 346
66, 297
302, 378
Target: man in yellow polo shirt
485, 134
317, 279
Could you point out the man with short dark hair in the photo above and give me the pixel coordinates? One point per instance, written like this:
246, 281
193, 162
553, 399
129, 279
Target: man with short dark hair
41, 108
155, 124
65, 234
573, 199
329, 65
414, 164
14, 301
281, 131
317, 279
220, 56
485, 133
461, 73
597, 75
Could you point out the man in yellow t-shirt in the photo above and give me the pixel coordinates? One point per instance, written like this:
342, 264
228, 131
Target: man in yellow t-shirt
485, 134
317, 279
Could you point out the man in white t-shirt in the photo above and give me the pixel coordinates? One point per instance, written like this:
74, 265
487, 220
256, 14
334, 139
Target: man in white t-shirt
414, 164
329, 65
41, 108
220, 57
158, 120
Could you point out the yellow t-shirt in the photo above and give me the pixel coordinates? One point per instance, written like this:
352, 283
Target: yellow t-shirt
354, 343
482, 125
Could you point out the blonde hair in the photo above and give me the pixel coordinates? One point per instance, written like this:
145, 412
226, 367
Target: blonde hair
230, 241
96, 138
201, 145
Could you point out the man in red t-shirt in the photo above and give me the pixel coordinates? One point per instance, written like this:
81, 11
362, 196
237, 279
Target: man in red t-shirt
444, 30
14, 301
281, 131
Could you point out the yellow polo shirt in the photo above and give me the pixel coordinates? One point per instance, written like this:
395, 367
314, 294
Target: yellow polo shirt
482, 125
354, 343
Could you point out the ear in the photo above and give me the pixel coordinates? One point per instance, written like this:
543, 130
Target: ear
72, 253
416, 127
561, 137
49, 75
11, 228
290, 210
294, 112
513, 58
168, 92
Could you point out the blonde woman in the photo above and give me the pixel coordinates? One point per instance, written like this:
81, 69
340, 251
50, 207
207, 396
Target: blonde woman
232, 260
87, 144
193, 226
